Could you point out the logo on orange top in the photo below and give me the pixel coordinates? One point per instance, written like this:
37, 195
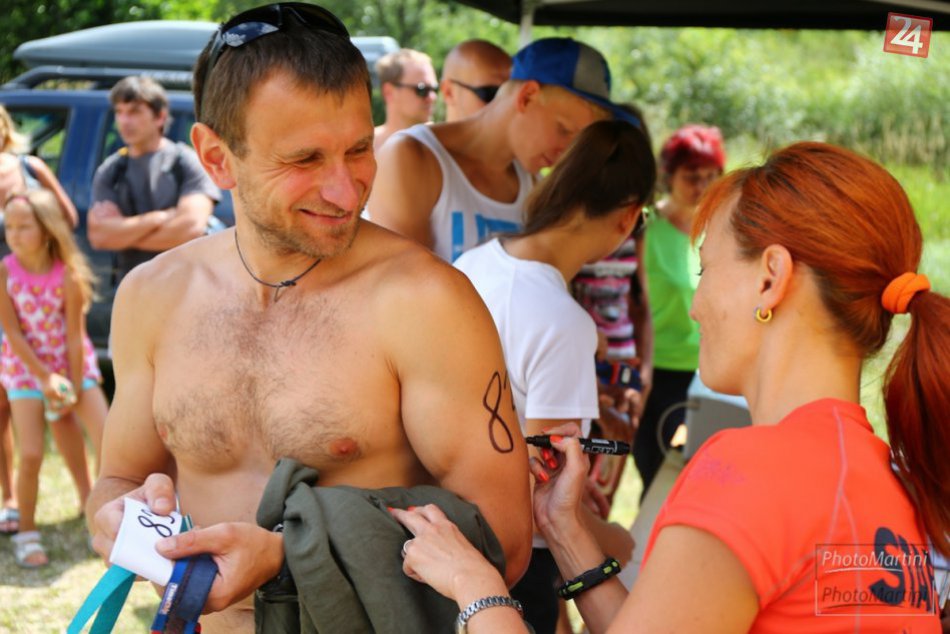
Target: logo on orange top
889, 577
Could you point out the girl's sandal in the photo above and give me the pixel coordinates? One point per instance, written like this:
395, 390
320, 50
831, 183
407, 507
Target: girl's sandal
9, 521
28, 550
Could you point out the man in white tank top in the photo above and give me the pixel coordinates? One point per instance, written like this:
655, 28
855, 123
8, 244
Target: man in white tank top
451, 186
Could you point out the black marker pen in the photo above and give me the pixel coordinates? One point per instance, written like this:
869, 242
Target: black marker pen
589, 445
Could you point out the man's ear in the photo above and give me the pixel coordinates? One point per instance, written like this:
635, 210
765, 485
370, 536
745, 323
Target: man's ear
529, 91
447, 90
386, 90
214, 154
776, 269
161, 119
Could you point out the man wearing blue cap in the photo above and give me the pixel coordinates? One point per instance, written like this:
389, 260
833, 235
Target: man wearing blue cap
450, 186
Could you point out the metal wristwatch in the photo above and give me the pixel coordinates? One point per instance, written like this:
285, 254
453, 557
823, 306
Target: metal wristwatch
461, 623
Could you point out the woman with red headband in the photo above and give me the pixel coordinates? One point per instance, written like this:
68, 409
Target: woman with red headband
690, 160
805, 521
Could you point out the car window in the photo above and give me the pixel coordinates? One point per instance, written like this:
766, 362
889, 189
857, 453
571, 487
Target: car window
46, 131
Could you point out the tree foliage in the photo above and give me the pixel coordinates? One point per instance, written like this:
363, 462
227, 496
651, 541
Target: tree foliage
769, 86
431, 26
26, 20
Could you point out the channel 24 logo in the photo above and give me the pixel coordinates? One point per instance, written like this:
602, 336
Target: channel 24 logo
907, 35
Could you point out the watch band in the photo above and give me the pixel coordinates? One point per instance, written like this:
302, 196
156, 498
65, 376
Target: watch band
494, 601
587, 580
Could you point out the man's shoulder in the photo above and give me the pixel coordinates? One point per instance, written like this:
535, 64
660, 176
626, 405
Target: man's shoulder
409, 175
387, 253
170, 272
415, 296
403, 268
111, 162
182, 158
178, 150
405, 146
174, 153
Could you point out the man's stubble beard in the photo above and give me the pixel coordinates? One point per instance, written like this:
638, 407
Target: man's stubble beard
288, 240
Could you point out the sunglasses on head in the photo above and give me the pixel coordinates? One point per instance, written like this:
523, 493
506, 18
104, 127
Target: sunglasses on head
421, 89
256, 23
485, 93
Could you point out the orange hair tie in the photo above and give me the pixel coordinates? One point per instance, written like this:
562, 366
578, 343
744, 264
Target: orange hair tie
901, 290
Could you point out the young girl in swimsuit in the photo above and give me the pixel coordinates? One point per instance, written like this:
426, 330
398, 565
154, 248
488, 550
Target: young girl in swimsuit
47, 362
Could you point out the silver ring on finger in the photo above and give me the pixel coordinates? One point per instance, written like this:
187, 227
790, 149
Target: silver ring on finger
405, 545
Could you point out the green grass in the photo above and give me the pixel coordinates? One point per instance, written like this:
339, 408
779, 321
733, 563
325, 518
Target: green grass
45, 600
929, 192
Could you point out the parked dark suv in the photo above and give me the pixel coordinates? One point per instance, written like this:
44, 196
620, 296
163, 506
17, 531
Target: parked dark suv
62, 104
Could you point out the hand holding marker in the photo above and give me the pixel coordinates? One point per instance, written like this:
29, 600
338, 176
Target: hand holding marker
588, 445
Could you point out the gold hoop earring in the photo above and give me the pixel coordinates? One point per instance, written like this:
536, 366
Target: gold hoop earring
763, 319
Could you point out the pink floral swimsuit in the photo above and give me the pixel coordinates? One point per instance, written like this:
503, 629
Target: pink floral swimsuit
40, 307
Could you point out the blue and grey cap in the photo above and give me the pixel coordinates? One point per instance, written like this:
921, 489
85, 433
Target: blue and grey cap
572, 65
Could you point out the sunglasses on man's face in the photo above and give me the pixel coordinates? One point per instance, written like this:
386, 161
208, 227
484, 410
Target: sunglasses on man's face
421, 89
256, 23
485, 93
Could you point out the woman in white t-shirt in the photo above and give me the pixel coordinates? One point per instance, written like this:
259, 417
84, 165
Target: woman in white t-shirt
580, 213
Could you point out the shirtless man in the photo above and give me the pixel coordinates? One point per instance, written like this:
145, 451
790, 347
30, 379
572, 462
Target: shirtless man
450, 186
222, 368
473, 72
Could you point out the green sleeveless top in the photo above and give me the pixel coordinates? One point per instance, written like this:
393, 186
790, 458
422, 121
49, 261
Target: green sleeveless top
672, 272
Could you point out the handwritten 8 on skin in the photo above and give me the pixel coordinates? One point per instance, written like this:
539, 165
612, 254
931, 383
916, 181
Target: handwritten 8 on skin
491, 402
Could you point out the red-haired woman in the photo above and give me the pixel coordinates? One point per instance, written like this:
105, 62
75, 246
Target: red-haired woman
691, 159
805, 521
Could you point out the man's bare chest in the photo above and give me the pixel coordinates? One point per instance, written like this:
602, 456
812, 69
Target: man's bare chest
236, 386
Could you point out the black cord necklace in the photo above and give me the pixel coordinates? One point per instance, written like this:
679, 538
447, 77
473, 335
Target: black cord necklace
278, 286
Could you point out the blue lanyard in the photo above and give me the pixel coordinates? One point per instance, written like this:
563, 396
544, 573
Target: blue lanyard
191, 581
185, 595
107, 598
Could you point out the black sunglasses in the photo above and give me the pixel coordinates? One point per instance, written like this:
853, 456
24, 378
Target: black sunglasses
421, 89
485, 93
256, 23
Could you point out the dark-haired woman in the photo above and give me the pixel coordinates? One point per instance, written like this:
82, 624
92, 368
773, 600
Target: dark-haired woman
580, 213
797, 523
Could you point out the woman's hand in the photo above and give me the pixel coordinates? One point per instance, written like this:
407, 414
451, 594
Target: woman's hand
560, 483
442, 557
